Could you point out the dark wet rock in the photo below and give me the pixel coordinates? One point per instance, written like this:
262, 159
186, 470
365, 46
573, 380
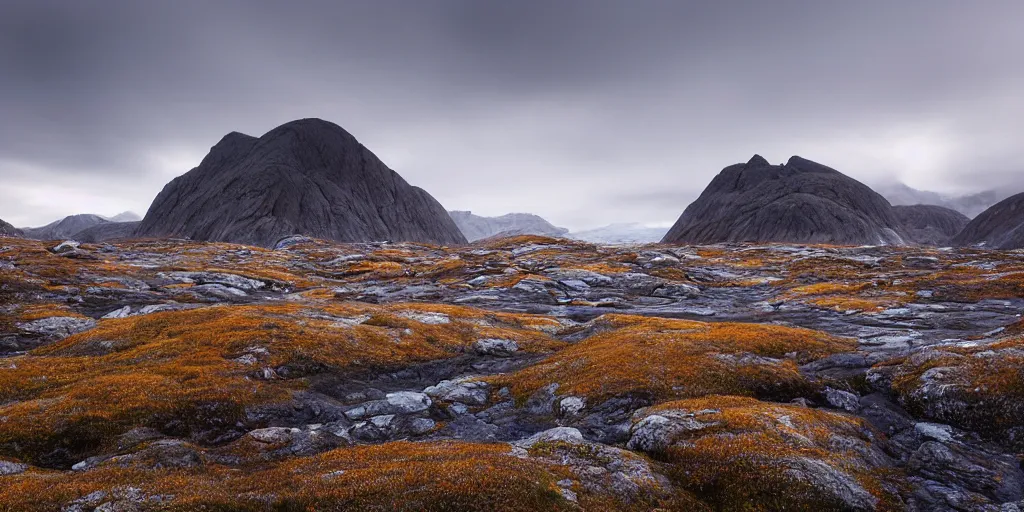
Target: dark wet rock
886, 416
842, 399
997, 478
930, 225
475, 227
307, 177
799, 202
999, 227
608, 422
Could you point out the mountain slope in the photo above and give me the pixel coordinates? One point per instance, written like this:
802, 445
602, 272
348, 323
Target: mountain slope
799, 202
66, 227
929, 224
307, 177
999, 227
9, 230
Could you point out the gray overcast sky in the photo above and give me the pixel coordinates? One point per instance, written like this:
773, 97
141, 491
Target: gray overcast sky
586, 112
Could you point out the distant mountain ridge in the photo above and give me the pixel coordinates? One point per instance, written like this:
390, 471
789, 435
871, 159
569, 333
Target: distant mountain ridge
929, 224
66, 227
618, 234
127, 216
971, 205
476, 227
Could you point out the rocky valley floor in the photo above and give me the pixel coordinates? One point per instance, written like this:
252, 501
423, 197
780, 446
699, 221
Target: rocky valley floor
522, 373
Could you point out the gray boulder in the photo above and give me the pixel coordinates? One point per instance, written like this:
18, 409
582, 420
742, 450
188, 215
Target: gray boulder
799, 202
11, 468
58, 327
307, 177
495, 347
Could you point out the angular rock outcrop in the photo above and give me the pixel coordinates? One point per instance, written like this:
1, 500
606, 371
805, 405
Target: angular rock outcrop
67, 227
927, 224
799, 202
476, 227
9, 230
307, 177
999, 227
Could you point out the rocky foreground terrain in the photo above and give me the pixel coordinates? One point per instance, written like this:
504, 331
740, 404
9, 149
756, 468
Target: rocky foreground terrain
523, 373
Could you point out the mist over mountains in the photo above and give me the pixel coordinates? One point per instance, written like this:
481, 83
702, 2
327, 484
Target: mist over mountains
971, 205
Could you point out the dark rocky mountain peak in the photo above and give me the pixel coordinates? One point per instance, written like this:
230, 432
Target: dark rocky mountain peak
308, 177
799, 202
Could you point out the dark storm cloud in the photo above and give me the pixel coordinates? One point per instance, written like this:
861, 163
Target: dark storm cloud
588, 112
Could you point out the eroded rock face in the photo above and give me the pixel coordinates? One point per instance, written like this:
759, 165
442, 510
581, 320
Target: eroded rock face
999, 227
799, 202
307, 177
930, 225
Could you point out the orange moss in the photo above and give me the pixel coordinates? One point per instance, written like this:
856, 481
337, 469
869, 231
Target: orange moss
40, 311
399, 476
602, 267
377, 269
982, 388
843, 304
742, 459
139, 371
827, 289
677, 358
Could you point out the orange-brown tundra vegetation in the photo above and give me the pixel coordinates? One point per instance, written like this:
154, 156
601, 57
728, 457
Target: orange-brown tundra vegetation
181, 375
